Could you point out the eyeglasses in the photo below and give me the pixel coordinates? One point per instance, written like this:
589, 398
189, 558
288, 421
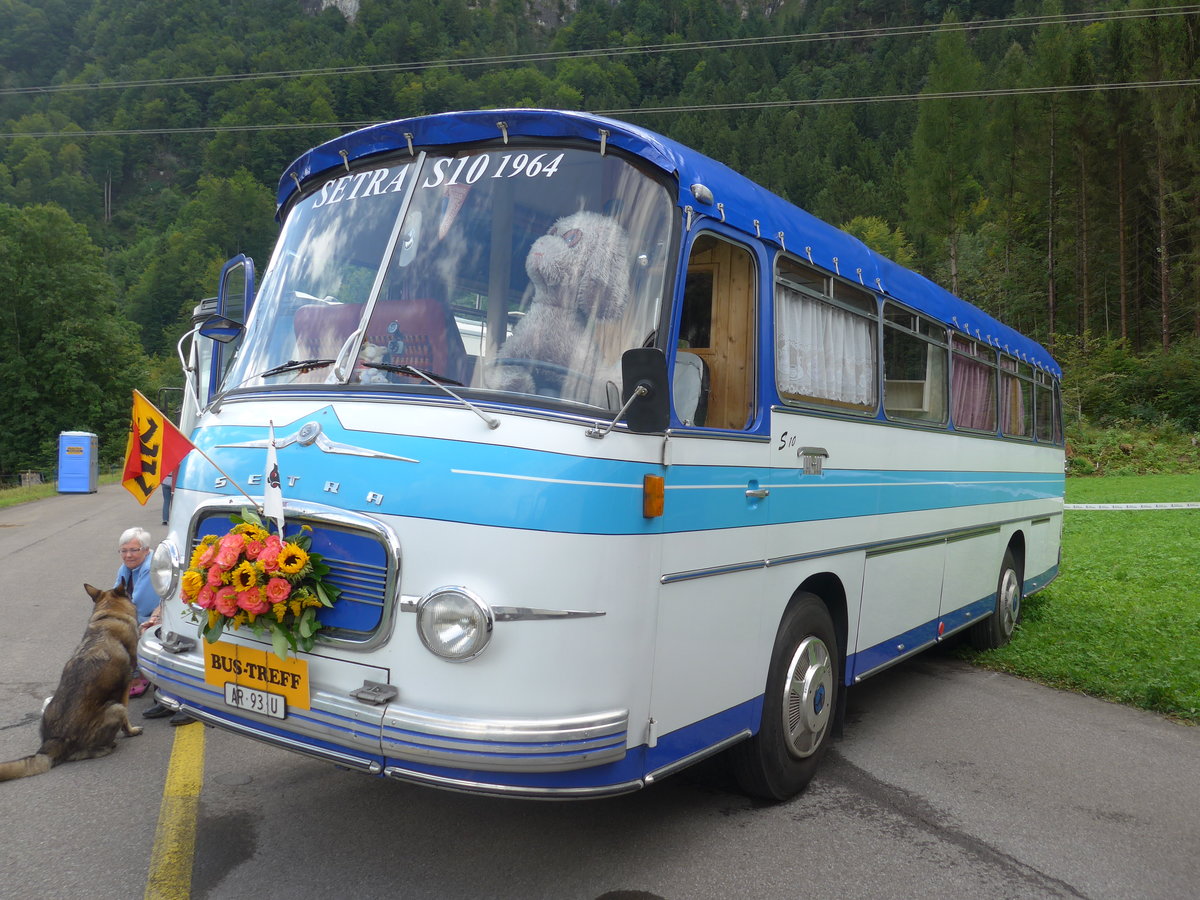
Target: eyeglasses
125, 550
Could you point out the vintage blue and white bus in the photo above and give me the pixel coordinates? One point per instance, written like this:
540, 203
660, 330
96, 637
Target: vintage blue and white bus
619, 461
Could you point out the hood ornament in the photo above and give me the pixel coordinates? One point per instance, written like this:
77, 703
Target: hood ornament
309, 434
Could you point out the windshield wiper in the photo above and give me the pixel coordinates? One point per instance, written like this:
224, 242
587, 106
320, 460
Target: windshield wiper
304, 365
416, 373
439, 381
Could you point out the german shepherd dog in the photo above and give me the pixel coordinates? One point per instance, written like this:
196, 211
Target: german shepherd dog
92, 700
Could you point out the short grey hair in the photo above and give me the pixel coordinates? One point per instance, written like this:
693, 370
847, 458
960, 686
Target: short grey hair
141, 535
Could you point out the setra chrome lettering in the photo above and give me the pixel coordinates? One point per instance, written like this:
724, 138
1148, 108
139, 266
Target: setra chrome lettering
329, 487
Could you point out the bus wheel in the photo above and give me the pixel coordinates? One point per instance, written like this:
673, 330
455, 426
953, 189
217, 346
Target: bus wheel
997, 629
798, 707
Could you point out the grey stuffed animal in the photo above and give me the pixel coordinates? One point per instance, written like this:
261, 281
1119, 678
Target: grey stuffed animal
580, 272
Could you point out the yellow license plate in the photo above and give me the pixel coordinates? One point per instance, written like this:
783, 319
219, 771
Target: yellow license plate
257, 669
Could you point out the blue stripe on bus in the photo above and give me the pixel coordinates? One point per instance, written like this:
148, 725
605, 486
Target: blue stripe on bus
511, 487
924, 635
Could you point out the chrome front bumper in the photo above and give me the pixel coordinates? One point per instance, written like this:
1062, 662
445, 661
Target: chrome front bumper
380, 739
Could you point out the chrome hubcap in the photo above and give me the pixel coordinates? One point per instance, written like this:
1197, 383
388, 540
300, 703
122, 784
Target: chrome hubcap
808, 697
1010, 602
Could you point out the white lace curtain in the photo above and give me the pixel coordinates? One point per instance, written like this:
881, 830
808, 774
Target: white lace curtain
823, 351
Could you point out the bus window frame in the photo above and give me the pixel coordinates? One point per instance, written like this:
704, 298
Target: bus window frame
987, 357
1018, 373
922, 319
871, 314
756, 422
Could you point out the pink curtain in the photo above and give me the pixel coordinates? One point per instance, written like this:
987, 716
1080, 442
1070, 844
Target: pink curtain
973, 389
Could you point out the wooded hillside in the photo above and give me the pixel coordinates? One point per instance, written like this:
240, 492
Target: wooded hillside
1039, 159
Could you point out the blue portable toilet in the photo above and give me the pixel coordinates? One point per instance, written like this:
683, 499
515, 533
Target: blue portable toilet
78, 465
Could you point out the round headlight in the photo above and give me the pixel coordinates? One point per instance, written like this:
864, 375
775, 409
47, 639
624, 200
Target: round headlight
454, 624
164, 570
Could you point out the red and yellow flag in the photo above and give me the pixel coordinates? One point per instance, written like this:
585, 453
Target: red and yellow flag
154, 450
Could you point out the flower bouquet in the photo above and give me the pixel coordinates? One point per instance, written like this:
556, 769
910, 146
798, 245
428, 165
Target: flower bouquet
254, 578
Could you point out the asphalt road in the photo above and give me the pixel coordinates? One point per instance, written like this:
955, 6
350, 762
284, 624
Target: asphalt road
949, 782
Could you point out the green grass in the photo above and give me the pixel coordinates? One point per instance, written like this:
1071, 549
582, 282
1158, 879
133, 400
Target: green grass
13, 496
1122, 621
1135, 489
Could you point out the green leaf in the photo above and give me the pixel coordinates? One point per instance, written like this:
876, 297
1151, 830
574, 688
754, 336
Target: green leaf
214, 633
323, 595
280, 643
251, 516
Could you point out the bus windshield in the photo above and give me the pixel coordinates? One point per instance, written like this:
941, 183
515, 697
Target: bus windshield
522, 270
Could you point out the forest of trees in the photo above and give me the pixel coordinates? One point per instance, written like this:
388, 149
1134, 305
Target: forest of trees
1040, 159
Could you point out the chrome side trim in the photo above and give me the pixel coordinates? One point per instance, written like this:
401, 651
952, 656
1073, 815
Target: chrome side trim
873, 548
910, 544
516, 613
672, 768
861, 676
530, 614
983, 531
700, 433
730, 569
876, 547
508, 790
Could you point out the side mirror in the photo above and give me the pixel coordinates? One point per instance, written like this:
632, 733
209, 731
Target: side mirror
646, 367
221, 329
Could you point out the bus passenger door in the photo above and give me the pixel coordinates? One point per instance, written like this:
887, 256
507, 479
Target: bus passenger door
716, 507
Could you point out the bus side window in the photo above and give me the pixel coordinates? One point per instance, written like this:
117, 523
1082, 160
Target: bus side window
717, 325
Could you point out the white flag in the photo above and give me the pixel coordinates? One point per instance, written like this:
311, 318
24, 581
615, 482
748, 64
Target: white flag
272, 493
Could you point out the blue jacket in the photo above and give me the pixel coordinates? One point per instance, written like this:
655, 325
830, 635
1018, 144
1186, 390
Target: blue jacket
144, 596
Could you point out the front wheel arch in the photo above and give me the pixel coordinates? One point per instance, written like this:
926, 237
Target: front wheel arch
801, 704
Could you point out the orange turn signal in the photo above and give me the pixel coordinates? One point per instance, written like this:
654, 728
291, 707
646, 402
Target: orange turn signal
652, 496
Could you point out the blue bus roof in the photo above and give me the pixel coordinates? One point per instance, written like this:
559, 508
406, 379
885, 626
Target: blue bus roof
743, 204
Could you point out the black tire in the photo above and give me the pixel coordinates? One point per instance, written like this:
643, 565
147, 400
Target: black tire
997, 629
803, 685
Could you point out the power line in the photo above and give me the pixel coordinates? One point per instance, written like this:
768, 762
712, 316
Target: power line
552, 56
635, 111
901, 98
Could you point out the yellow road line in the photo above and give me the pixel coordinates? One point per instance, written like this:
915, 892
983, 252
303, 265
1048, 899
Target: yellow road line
170, 876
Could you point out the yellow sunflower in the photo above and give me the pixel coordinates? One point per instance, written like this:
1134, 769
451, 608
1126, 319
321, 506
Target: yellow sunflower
244, 577
192, 582
292, 559
252, 532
